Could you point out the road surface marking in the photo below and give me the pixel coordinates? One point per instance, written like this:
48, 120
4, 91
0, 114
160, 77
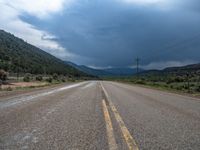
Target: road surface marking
127, 136
109, 128
15, 101
88, 85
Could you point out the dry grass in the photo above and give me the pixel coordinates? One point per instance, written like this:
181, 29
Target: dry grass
23, 85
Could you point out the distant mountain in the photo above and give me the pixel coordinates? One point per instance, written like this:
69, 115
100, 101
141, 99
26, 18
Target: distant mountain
105, 72
94, 72
183, 70
122, 71
193, 67
18, 56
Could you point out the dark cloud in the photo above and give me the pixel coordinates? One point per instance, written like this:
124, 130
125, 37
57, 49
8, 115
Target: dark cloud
109, 33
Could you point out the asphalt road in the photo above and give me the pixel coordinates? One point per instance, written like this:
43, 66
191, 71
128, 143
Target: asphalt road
99, 115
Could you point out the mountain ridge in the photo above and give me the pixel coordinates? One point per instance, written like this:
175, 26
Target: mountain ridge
120, 71
131, 71
181, 70
16, 55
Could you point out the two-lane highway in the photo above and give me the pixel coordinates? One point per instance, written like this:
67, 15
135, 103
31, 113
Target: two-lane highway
99, 115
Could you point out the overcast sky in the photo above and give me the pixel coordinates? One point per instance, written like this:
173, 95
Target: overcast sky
109, 33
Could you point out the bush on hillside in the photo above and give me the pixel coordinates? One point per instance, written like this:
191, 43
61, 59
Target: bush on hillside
50, 79
198, 88
63, 80
27, 77
55, 76
39, 78
170, 80
178, 79
140, 81
3, 75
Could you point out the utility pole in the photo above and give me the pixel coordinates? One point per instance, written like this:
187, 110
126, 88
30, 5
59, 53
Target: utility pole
137, 65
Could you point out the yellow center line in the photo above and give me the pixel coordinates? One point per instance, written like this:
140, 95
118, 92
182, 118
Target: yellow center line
126, 134
109, 128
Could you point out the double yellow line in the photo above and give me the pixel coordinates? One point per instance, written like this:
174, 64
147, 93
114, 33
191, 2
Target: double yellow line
131, 144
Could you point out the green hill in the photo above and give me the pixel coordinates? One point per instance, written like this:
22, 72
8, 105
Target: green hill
192, 70
185, 78
17, 56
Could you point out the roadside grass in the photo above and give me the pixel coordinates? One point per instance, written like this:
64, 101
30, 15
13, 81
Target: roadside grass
182, 87
31, 82
23, 86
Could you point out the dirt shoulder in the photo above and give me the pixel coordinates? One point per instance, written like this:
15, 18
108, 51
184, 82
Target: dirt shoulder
16, 85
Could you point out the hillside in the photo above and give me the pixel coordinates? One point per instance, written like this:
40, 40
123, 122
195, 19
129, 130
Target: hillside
184, 79
94, 72
115, 72
18, 56
193, 69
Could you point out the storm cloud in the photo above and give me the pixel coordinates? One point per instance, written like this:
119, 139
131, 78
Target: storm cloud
112, 33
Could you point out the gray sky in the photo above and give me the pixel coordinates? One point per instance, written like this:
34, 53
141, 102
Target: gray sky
109, 33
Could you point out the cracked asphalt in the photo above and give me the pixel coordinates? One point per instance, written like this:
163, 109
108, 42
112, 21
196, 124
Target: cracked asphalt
70, 117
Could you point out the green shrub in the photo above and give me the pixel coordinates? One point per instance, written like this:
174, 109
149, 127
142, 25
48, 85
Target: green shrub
169, 81
198, 88
50, 79
39, 78
192, 84
155, 84
166, 86
63, 80
72, 80
185, 87
55, 76
140, 82
178, 79
179, 87
27, 77
32, 87
3, 75
9, 89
